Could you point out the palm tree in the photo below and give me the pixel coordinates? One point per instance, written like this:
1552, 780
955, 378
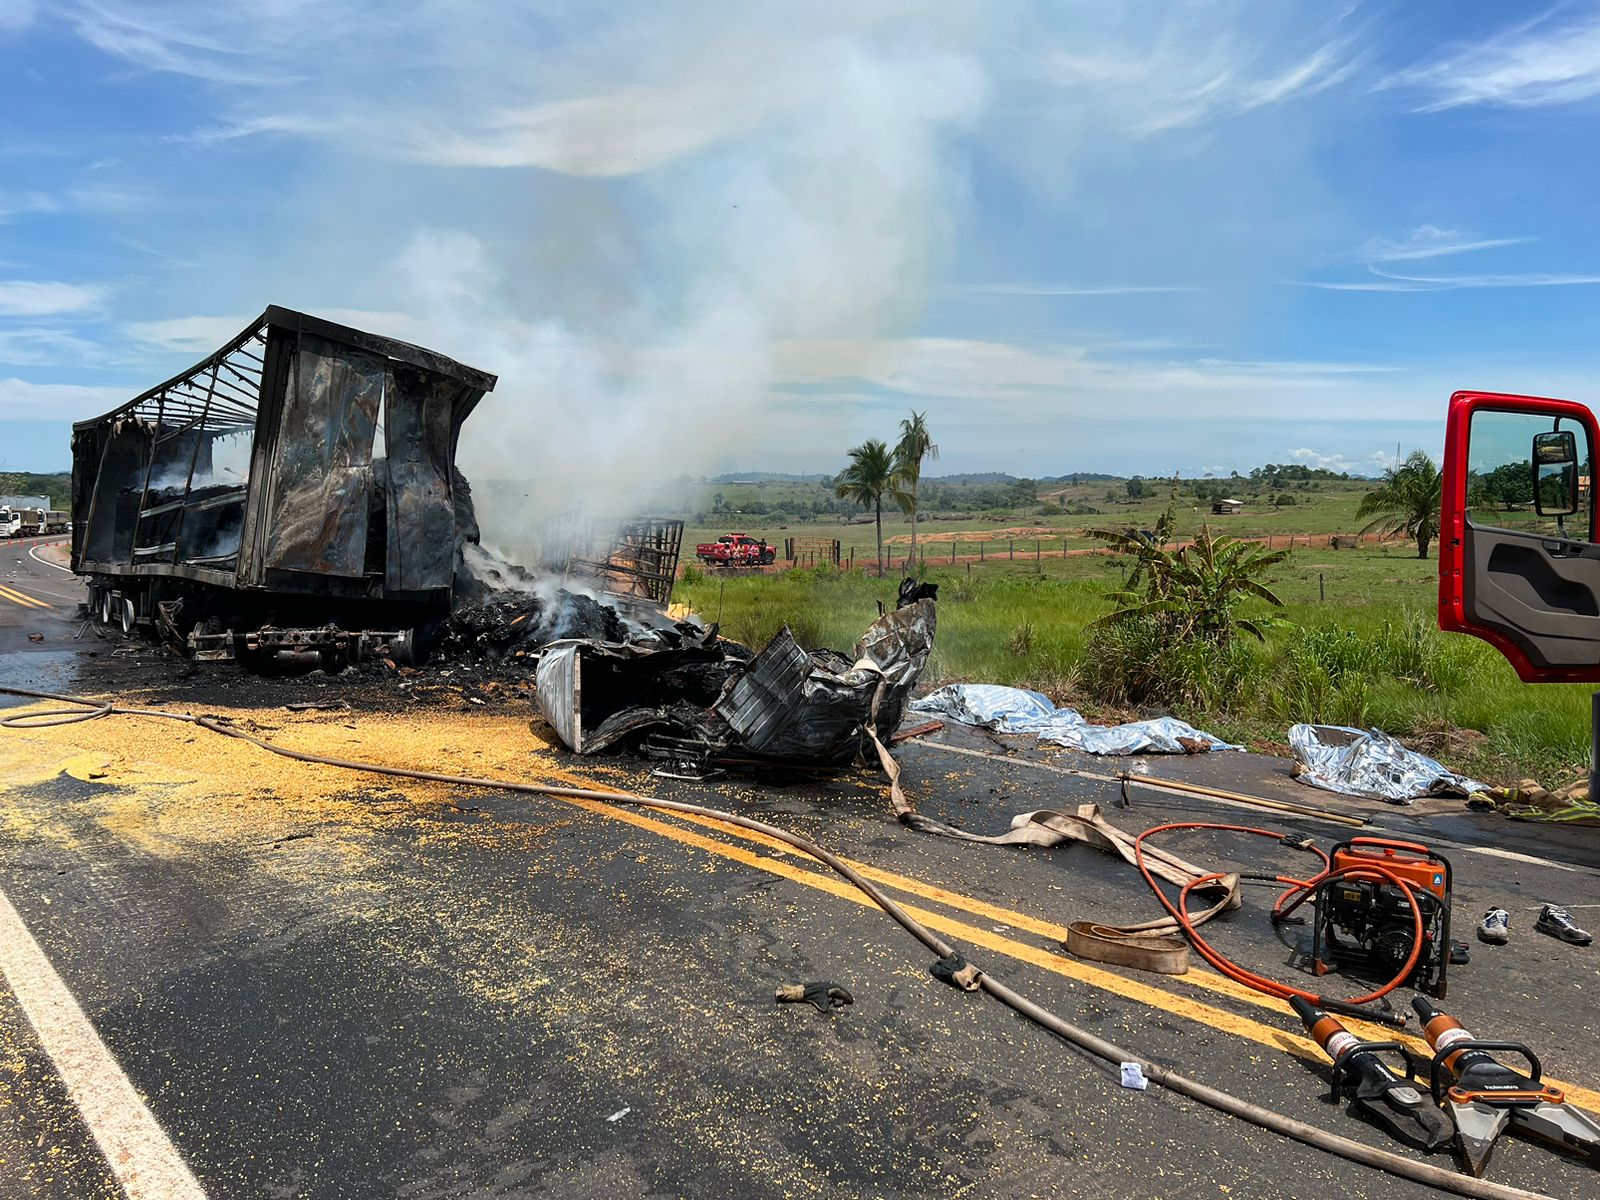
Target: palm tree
869, 475
915, 444
1407, 502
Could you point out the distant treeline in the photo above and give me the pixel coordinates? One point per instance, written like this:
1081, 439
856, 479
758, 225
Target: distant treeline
55, 484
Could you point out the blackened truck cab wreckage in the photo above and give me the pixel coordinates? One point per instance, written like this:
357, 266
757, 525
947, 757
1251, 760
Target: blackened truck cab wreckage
682, 696
292, 498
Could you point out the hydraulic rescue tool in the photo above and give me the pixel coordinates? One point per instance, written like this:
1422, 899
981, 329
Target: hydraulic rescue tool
1483, 1095
1392, 1102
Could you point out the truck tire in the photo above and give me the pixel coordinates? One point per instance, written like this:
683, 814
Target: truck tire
127, 616
105, 606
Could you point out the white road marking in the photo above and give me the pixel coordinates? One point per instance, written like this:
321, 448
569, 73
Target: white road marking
34, 554
1515, 857
138, 1151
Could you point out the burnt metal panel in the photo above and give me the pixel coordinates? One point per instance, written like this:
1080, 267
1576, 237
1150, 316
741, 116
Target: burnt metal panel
767, 697
418, 408
321, 488
277, 356
119, 484
558, 692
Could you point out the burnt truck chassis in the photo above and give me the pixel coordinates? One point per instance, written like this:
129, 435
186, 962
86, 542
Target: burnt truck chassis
312, 546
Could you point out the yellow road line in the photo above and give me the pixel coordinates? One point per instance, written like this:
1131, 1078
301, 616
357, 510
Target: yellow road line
1197, 976
1131, 989
19, 598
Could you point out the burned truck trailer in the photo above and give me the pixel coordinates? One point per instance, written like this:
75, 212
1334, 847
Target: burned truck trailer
294, 495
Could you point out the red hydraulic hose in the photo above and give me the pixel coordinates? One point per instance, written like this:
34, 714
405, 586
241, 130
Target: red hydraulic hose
1298, 892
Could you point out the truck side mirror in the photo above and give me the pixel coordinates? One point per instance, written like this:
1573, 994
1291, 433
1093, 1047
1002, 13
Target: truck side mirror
1555, 473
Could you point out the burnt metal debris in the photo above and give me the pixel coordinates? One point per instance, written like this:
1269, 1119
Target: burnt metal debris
634, 559
683, 696
247, 506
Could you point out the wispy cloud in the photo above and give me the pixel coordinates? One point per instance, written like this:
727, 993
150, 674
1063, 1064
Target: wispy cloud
34, 346
1388, 281
1546, 61
250, 45
287, 124
1290, 367
16, 205
1335, 461
21, 400
193, 335
1226, 95
16, 15
37, 298
1025, 379
621, 133
1428, 241
1191, 67
1070, 289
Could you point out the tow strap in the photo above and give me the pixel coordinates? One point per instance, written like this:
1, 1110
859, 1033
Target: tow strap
1149, 946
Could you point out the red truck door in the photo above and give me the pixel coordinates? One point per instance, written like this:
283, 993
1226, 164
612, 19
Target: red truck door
1518, 563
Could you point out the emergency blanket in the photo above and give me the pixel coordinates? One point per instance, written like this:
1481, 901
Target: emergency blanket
1370, 763
1017, 710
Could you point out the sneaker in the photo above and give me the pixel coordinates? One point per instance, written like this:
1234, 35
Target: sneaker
1558, 924
1495, 928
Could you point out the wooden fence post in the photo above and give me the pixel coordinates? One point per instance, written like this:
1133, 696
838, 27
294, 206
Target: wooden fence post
1038, 549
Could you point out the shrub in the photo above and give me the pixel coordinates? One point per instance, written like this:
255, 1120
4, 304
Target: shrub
691, 575
1021, 643
1136, 662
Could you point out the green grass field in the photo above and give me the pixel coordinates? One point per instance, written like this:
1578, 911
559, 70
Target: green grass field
1356, 644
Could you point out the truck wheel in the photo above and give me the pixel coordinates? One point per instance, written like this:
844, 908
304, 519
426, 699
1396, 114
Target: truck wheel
127, 615
105, 606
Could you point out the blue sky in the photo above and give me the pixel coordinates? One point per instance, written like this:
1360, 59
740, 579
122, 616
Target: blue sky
1129, 237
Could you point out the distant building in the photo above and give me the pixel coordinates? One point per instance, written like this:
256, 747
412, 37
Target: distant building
1227, 508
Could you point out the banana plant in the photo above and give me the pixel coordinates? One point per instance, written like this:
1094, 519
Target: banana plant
1193, 590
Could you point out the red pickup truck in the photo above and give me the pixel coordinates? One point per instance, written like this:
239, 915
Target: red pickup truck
736, 550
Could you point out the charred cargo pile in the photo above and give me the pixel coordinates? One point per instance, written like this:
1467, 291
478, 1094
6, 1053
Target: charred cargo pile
684, 696
291, 497
516, 625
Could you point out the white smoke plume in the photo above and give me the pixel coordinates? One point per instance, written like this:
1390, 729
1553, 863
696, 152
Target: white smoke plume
820, 215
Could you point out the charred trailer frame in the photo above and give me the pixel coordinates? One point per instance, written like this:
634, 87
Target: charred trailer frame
635, 559
251, 491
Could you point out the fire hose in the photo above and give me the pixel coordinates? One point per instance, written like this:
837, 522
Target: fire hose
1420, 1172
1296, 894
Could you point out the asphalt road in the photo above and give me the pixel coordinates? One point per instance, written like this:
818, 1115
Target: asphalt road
326, 984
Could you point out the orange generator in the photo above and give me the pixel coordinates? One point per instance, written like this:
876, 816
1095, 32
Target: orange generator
1366, 918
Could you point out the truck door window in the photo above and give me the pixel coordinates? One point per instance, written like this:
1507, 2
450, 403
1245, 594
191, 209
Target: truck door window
1500, 475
